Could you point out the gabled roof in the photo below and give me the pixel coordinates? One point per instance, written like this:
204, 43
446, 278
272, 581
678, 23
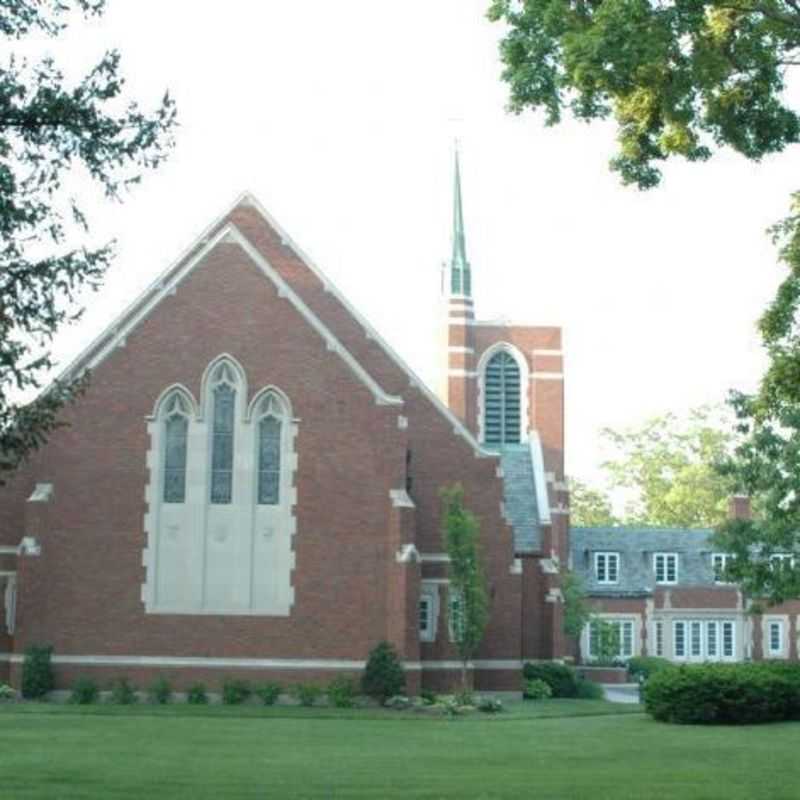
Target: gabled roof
218, 230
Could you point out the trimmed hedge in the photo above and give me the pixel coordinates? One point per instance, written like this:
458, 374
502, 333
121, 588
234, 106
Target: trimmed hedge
739, 694
562, 679
645, 666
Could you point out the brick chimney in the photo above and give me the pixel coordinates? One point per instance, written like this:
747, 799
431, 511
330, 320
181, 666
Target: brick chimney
739, 507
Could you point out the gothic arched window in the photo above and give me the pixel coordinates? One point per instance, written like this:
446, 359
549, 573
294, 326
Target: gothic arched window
502, 423
176, 426
224, 405
270, 427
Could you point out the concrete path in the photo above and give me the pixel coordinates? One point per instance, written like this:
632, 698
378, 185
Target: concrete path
622, 692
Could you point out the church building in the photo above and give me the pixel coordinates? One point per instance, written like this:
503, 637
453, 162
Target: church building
250, 485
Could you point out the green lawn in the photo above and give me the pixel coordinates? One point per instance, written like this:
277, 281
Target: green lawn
537, 750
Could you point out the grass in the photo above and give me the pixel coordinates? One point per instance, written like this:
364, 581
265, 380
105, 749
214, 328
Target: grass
549, 749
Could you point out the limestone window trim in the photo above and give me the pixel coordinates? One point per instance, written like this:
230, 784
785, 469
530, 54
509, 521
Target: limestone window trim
630, 636
775, 636
429, 598
524, 388
10, 602
231, 558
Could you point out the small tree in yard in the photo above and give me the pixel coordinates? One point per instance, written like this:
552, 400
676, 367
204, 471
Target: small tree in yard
576, 607
469, 603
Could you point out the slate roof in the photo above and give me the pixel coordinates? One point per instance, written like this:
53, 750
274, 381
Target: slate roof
636, 547
519, 497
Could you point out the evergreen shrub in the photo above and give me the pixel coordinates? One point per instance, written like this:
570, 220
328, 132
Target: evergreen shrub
84, 692
563, 680
537, 690
342, 692
724, 693
640, 668
235, 692
306, 693
268, 693
197, 695
123, 693
160, 691
383, 675
588, 690
37, 672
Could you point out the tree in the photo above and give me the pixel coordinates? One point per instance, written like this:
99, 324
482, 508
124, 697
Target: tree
668, 465
589, 507
54, 134
679, 77
576, 605
469, 603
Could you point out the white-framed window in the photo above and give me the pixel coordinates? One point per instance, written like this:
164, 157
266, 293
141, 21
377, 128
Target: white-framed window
719, 563
659, 638
606, 567
775, 638
712, 639
703, 639
621, 644
728, 640
679, 639
428, 613
665, 566
782, 560
695, 639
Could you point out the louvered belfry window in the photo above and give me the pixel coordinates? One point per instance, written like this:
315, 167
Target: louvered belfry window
502, 400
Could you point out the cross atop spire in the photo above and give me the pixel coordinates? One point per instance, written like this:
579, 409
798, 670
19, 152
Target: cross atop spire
460, 276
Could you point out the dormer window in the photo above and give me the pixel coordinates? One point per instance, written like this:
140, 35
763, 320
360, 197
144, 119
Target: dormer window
719, 563
665, 565
606, 567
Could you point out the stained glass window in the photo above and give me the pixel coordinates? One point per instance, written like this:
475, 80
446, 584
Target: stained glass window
176, 427
222, 445
269, 461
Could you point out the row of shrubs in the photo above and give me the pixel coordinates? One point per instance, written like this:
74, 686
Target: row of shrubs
545, 679
383, 677
341, 692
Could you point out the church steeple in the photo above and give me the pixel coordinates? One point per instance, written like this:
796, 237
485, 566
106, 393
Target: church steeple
460, 274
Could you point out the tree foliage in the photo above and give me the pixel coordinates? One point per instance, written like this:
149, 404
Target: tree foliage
589, 507
460, 531
54, 131
668, 466
678, 77
668, 469
576, 604
767, 462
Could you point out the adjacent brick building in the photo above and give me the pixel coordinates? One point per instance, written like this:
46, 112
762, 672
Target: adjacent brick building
250, 485
664, 592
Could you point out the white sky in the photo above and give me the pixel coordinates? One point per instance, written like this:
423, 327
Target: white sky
340, 118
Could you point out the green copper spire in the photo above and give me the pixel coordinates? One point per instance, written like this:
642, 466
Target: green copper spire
460, 277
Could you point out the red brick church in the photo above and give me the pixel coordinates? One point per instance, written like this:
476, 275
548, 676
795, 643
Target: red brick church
250, 485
